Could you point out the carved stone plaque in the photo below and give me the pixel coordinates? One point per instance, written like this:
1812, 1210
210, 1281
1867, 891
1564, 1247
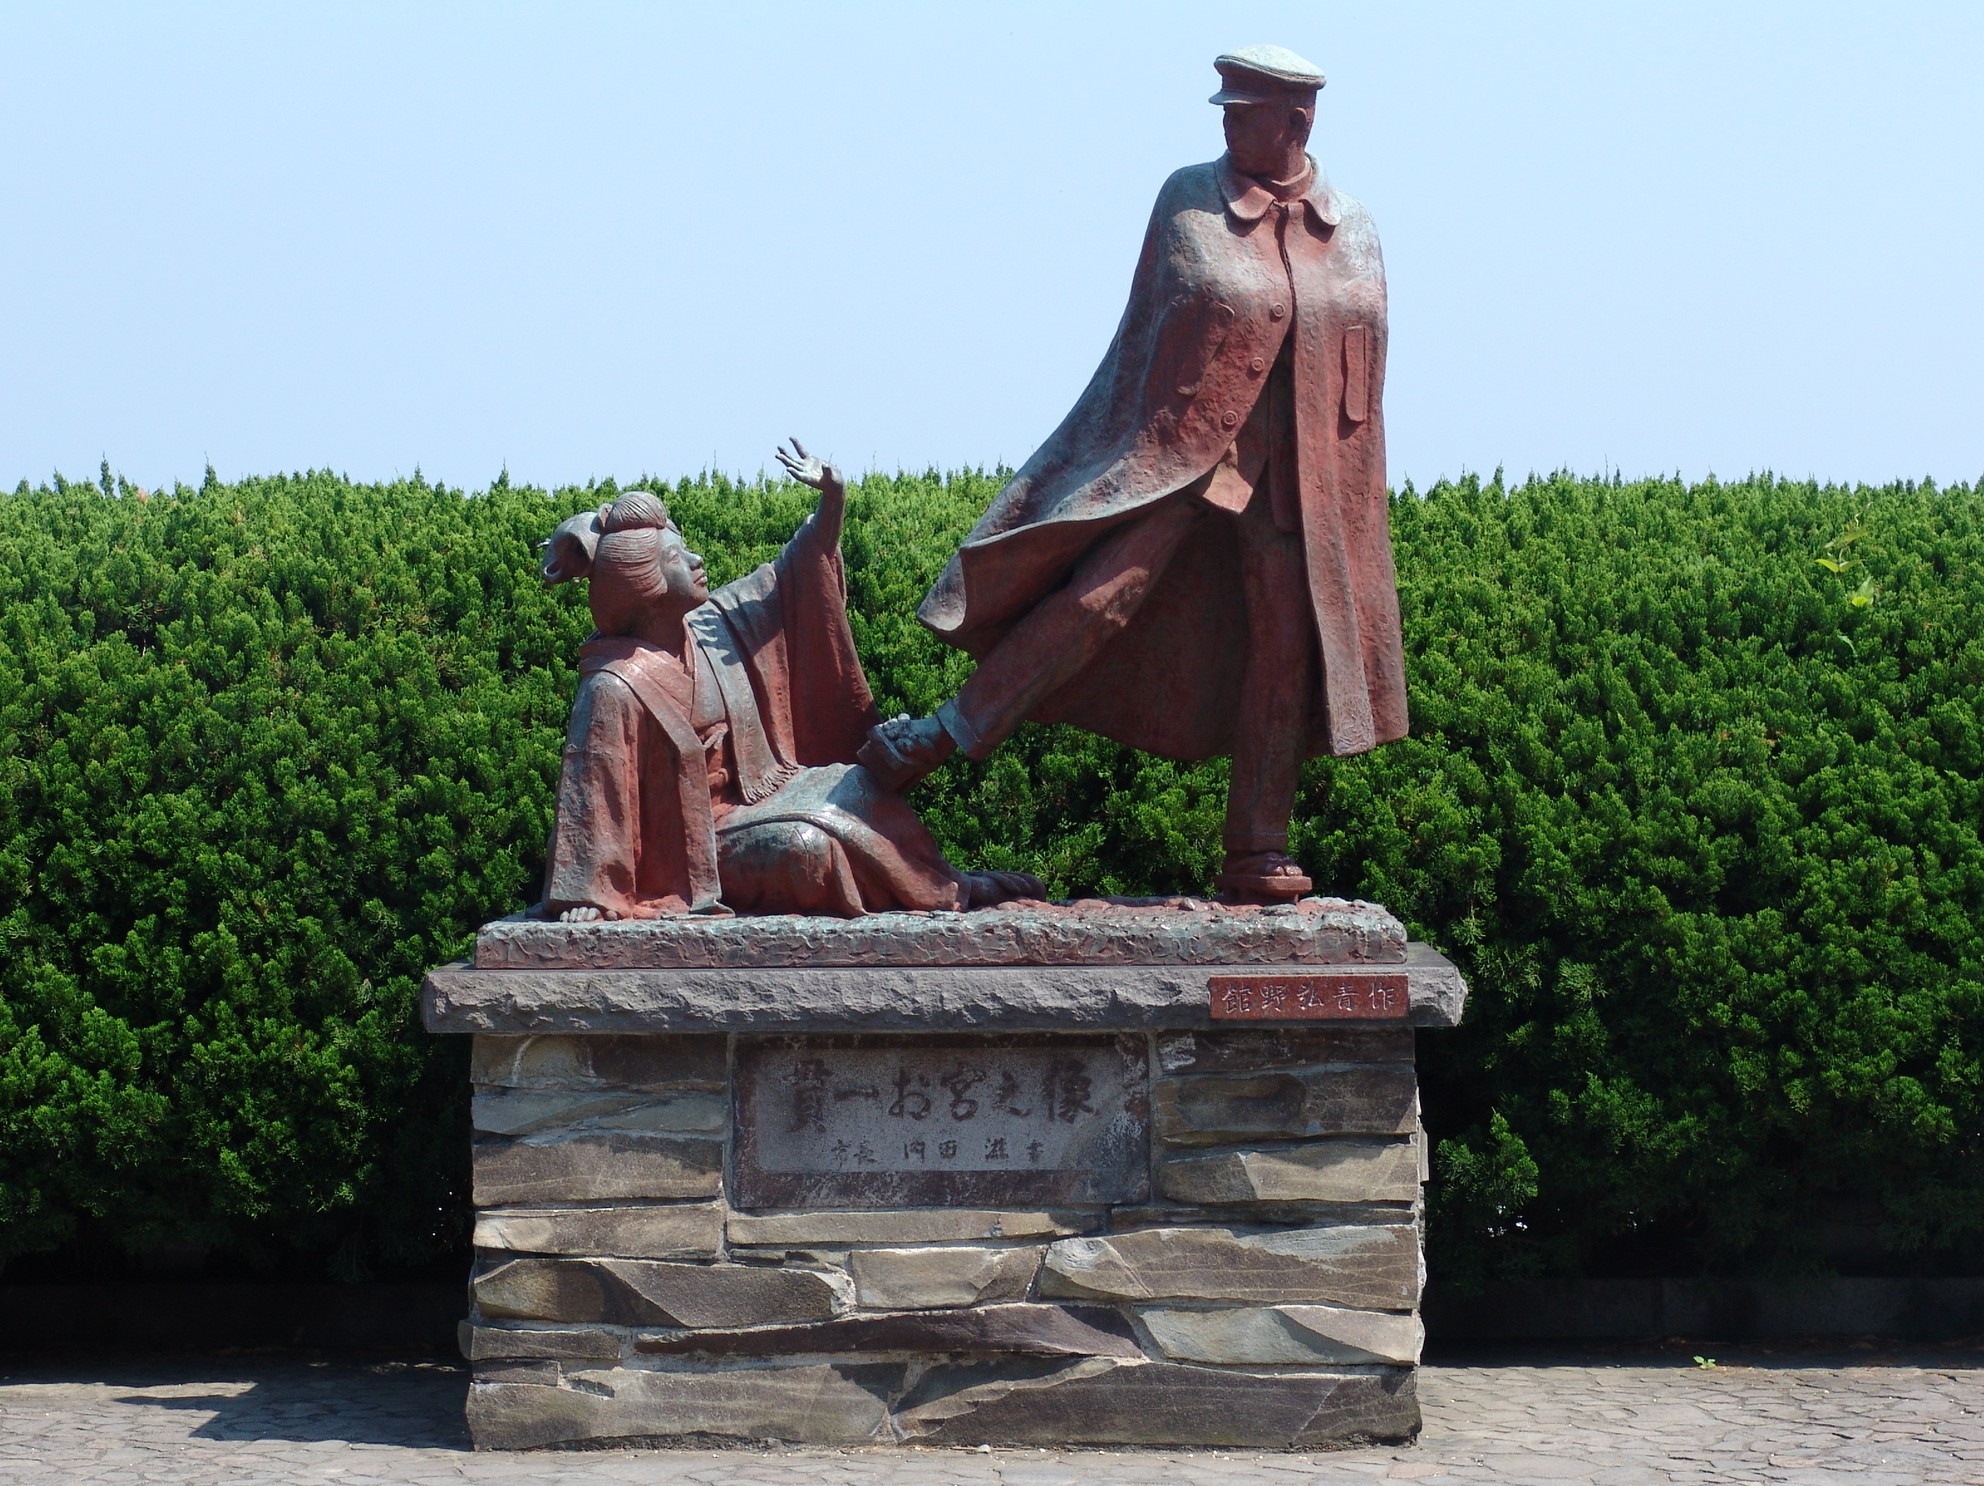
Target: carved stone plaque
971, 1121
1308, 998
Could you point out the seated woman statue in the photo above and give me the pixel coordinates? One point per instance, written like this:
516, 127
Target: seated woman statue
709, 767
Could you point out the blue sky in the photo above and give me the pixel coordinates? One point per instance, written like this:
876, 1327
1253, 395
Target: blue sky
593, 239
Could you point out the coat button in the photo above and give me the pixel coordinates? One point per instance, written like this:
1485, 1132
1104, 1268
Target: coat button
1229, 419
1275, 312
1258, 365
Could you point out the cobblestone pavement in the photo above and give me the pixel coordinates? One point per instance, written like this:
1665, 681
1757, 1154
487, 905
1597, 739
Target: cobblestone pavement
1620, 1419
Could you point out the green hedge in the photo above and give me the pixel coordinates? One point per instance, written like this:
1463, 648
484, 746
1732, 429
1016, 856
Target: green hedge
1698, 813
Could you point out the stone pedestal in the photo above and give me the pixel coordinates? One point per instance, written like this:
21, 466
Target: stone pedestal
1099, 1174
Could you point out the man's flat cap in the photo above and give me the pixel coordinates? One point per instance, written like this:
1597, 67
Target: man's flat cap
1264, 74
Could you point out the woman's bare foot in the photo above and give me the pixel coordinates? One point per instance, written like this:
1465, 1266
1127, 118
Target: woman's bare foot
983, 889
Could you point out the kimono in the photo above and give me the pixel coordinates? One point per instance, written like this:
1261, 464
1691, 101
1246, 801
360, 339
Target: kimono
725, 780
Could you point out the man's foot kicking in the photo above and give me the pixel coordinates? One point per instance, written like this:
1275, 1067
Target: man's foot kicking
983, 889
902, 750
1263, 877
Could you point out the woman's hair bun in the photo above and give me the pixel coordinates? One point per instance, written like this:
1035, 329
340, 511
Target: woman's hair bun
634, 510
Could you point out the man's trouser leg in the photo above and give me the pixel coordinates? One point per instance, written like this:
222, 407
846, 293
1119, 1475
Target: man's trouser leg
1278, 691
1068, 628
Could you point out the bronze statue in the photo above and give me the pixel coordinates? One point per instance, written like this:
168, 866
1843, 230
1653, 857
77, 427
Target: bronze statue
710, 763
1198, 560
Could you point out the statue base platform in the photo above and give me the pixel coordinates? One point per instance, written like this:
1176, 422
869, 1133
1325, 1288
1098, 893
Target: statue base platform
1107, 1173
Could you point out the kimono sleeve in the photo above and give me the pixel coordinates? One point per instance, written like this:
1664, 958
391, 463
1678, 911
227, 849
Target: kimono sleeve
595, 836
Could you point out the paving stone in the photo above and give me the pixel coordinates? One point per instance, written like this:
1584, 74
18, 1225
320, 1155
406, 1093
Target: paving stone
593, 1168
1367, 1099
681, 1230
1079, 1330
612, 1061
913, 1279
1254, 1049
808, 1404
1374, 1268
1302, 1335
1322, 1171
531, 1111
1105, 1402
640, 1292
1631, 1417
902, 1225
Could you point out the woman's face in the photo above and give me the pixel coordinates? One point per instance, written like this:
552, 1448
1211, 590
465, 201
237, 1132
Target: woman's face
682, 569
644, 580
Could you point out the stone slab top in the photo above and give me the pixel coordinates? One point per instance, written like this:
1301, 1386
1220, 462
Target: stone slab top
810, 998
1089, 931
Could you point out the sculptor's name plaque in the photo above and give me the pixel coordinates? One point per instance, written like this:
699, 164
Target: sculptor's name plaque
1308, 998
875, 1122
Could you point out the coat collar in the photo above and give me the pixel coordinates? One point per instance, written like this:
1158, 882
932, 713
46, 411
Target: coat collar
1249, 200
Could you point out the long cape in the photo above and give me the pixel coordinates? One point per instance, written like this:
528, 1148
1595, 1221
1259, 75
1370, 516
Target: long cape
1208, 309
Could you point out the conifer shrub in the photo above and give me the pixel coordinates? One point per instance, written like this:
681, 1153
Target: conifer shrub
1693, 795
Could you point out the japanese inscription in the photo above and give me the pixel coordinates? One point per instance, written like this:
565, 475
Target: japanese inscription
876, 1122
1307, 998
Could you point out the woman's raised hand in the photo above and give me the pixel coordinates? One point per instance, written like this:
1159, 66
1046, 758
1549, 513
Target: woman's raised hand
808, 469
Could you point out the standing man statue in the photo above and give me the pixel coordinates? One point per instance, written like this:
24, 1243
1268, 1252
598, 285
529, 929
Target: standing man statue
1198, 560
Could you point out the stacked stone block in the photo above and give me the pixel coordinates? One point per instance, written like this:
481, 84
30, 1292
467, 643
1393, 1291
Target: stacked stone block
680, 1237
1264, 1294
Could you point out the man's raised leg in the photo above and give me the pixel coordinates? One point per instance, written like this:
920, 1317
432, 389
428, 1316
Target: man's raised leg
1043, 652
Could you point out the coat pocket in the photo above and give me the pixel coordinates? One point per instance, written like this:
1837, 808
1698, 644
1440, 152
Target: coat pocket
1357, 373
1194, 331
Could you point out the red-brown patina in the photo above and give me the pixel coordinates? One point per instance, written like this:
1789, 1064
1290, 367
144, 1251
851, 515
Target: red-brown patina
1198, 560
709, 764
